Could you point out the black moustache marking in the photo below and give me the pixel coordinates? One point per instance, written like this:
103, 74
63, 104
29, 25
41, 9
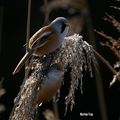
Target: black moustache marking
63, 27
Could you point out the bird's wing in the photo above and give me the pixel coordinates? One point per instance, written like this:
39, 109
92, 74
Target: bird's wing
42, 40
39, 42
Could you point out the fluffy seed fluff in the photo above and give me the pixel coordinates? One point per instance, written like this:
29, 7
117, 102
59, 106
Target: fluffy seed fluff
79, 55
74, 52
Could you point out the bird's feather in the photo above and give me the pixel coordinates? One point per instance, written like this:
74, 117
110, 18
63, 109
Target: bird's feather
42, 40
22, 61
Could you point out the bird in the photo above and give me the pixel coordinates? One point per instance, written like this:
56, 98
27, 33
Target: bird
51, 83
45, 40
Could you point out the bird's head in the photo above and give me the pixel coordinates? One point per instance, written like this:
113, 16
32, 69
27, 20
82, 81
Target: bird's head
61, 25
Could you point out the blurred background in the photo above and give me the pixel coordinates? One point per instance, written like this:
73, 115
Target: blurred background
85, 17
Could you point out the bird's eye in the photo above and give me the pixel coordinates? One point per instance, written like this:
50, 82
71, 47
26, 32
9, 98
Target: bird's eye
63, 27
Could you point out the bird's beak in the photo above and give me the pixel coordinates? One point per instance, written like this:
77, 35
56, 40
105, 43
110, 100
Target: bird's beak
69, 27
67, 24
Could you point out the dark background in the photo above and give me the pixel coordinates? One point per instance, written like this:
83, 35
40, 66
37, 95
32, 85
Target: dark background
13, 38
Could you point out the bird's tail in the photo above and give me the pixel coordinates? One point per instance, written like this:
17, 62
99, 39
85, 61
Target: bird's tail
22, 61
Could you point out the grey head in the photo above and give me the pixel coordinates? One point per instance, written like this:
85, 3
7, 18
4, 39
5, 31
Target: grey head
61, 25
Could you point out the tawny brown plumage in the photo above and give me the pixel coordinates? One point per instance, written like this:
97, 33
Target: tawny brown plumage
45, 40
